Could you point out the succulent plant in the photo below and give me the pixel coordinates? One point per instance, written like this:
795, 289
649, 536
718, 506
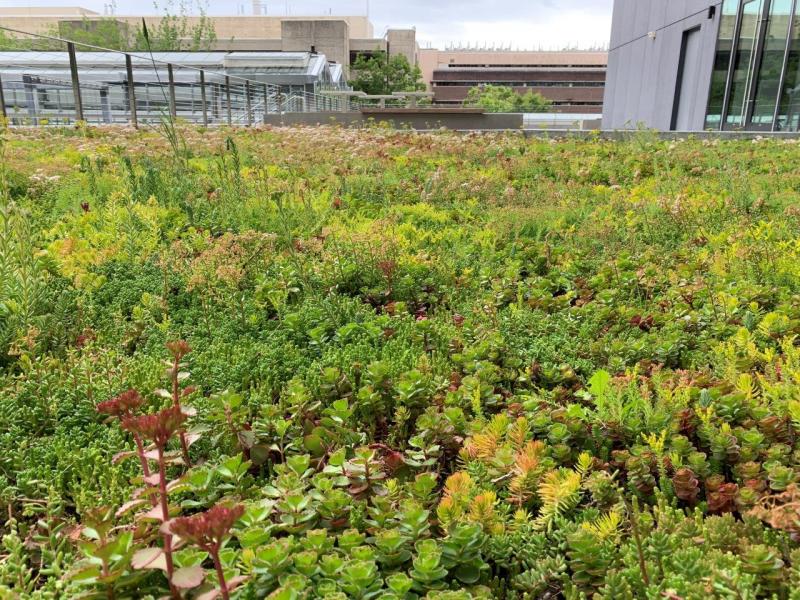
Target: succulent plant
686, 485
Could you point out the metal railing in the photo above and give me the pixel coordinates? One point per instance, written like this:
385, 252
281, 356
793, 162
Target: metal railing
140, 88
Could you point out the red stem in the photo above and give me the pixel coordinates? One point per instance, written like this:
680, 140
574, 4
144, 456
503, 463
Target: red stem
176, 400
106, 573
223, 586
145, 467
162, 487
142, 457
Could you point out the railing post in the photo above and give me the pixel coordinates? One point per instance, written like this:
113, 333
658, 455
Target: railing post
247, 104
216, 101
31, 99
105, 106
173, 107
266, 102
3, 112
131, 91
228, 98
76, 85
203, 97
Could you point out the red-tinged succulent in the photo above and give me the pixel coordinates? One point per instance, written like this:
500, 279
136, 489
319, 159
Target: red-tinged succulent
208, 529
121, 406
84, 338
776, 429
723, 499
178, 349
458, 320
687, 486
643, 323
158, 428
455, 382
687, 421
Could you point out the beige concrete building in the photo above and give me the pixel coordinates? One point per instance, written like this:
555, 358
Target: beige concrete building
340, 38
572, 80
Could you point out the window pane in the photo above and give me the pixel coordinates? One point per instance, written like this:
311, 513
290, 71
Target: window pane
743, 62
769, 74
789, 111
722, 62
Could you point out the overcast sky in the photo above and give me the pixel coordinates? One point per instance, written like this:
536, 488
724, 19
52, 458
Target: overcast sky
526, 24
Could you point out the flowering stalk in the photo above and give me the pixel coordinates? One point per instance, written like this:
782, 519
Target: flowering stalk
179, 349
104, 565
208, 531
162, 489
124, 406
160, 428
140, 451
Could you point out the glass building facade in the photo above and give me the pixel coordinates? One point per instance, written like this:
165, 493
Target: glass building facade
755, 84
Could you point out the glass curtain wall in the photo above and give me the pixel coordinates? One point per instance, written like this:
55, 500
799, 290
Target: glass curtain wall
722, 61
744, 60
771, 66
788, 113
756, 80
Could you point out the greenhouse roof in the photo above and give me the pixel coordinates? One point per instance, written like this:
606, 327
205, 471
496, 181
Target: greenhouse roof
269, 67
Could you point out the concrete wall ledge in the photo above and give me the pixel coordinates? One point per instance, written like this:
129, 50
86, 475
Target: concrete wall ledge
419, 120
624, 135
368, 110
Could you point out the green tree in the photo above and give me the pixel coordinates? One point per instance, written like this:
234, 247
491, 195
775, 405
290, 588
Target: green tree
379, 75
102, 33
501, 98
173, 33
12, 41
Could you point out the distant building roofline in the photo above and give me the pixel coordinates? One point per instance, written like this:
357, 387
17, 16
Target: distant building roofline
47, 11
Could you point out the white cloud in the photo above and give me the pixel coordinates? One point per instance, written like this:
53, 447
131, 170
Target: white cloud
568, 29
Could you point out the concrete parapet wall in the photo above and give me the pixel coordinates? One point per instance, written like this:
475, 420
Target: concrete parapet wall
419, 121
625, 135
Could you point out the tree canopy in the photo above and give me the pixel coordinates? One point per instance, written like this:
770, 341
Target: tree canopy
173, 33
500, 98
379, 75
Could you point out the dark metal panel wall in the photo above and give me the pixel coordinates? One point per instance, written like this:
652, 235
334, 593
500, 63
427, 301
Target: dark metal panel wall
643, 66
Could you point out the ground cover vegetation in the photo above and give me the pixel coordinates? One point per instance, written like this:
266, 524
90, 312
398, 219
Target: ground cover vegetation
326, 363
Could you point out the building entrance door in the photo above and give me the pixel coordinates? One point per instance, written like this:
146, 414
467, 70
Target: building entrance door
683, 113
